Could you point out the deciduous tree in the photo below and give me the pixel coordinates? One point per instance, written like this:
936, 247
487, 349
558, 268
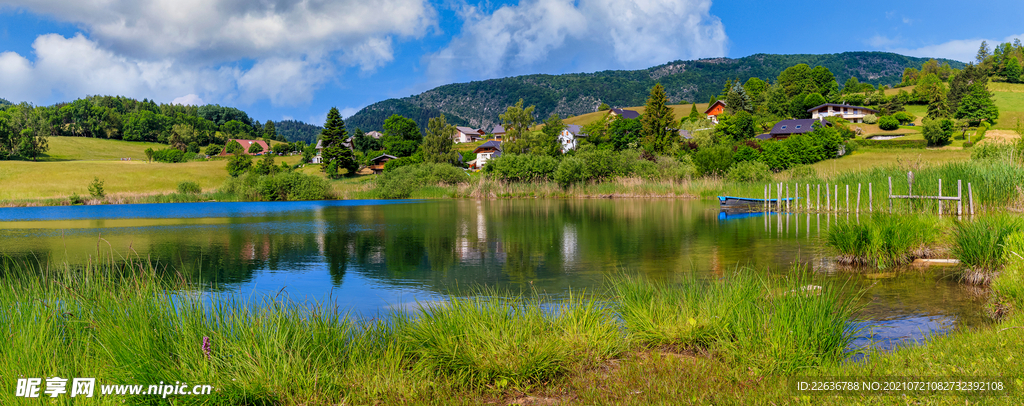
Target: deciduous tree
437, 144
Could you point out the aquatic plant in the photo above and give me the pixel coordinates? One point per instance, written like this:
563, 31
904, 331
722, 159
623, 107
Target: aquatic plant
978, 243
881, 240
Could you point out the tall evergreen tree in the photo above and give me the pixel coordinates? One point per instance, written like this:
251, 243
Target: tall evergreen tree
937, 107
1012, 71
694, 114
269, 131
335, 155
737, 100
961, 84
977, 106
437, 144
983, 52
657, 122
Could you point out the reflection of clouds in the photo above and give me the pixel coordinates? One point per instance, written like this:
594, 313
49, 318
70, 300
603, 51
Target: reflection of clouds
569, 243
890, 334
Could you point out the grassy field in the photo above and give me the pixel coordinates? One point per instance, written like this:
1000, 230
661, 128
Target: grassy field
680, 111
867, 158
94, 149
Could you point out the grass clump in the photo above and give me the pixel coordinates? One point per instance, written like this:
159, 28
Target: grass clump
978, 243
882, 241
488, 341
767, 326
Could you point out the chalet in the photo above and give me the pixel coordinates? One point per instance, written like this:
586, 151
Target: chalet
498, 132
853, 114
377, 164
374, 134
568, 139
716, 108
627, 114
485, 152
318, 158
246, 144
786, 128
466, 134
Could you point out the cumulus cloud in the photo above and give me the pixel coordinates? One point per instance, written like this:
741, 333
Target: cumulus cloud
228, 30
188, 100
586, 34
163, 49
963, 50
67, 68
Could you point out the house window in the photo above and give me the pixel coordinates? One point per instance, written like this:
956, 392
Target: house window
798, 127
783, 127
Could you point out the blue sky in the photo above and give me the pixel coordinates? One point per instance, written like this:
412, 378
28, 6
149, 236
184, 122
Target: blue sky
282, 59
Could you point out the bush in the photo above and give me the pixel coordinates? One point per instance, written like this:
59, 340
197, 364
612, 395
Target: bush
522, 167
189, 188
570, 172
888, 123
746, 153
75, 199
169, 155
903, 117
870, 119
401, 182
934, 134
213, 150
96, 188
279, 187
239, 164
713, 160
750, 171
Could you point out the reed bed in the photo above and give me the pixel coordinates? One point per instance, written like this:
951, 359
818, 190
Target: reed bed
882, 240
979, 243
124, 323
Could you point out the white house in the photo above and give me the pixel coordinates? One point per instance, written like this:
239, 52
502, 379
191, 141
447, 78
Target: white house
853, 114
568, 139
318, 158
466, 134
485, 152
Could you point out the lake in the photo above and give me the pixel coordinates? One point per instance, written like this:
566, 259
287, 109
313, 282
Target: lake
372, 256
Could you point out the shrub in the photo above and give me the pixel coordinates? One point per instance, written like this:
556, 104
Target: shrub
570, 172
213, 150
675, 169
75, 199
522, 167
746, 153
903, 117
255, 148
888, 123
239, 164
934, 134
870, 119
776, 155
279, 187
189, 188
96, 188
750, 171
169, 155
713, 160
401, 182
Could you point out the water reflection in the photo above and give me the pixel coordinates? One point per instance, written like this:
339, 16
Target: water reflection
368, 256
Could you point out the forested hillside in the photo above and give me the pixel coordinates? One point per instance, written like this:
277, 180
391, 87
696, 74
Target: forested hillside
479, 103
298, 131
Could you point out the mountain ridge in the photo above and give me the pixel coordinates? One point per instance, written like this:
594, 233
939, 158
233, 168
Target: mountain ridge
478, 103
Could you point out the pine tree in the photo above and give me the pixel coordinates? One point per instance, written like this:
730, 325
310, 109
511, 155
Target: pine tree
437, 144
937, 107
1013, 70
656, 121
269, 131
694, 114
983, 52
335, 152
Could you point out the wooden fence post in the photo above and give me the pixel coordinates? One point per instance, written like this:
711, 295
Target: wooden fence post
858, 198
970, 197
828, 199
940, 197
836, 197
808, 204
797, 197
871, 200
959, 197
788, 205
847, 198
890, 194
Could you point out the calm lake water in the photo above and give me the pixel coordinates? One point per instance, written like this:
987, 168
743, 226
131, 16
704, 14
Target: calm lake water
371, 256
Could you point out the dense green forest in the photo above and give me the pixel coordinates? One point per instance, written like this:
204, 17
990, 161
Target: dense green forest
479, 103
293, 131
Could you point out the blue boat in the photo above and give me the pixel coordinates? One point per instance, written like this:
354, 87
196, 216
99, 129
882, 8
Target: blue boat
742, 202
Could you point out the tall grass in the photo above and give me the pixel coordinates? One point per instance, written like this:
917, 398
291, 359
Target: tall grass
882, 240
769, 327
978, 243
123, 323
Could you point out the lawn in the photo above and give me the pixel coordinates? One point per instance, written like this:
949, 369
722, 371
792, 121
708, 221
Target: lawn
96, 149
867, 158
39, 180
1011, 107
679, 110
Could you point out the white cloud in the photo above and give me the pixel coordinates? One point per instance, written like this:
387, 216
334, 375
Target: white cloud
214, 31
162, 49
68, 68
347, 112
588, 34
961, 50
188, 100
